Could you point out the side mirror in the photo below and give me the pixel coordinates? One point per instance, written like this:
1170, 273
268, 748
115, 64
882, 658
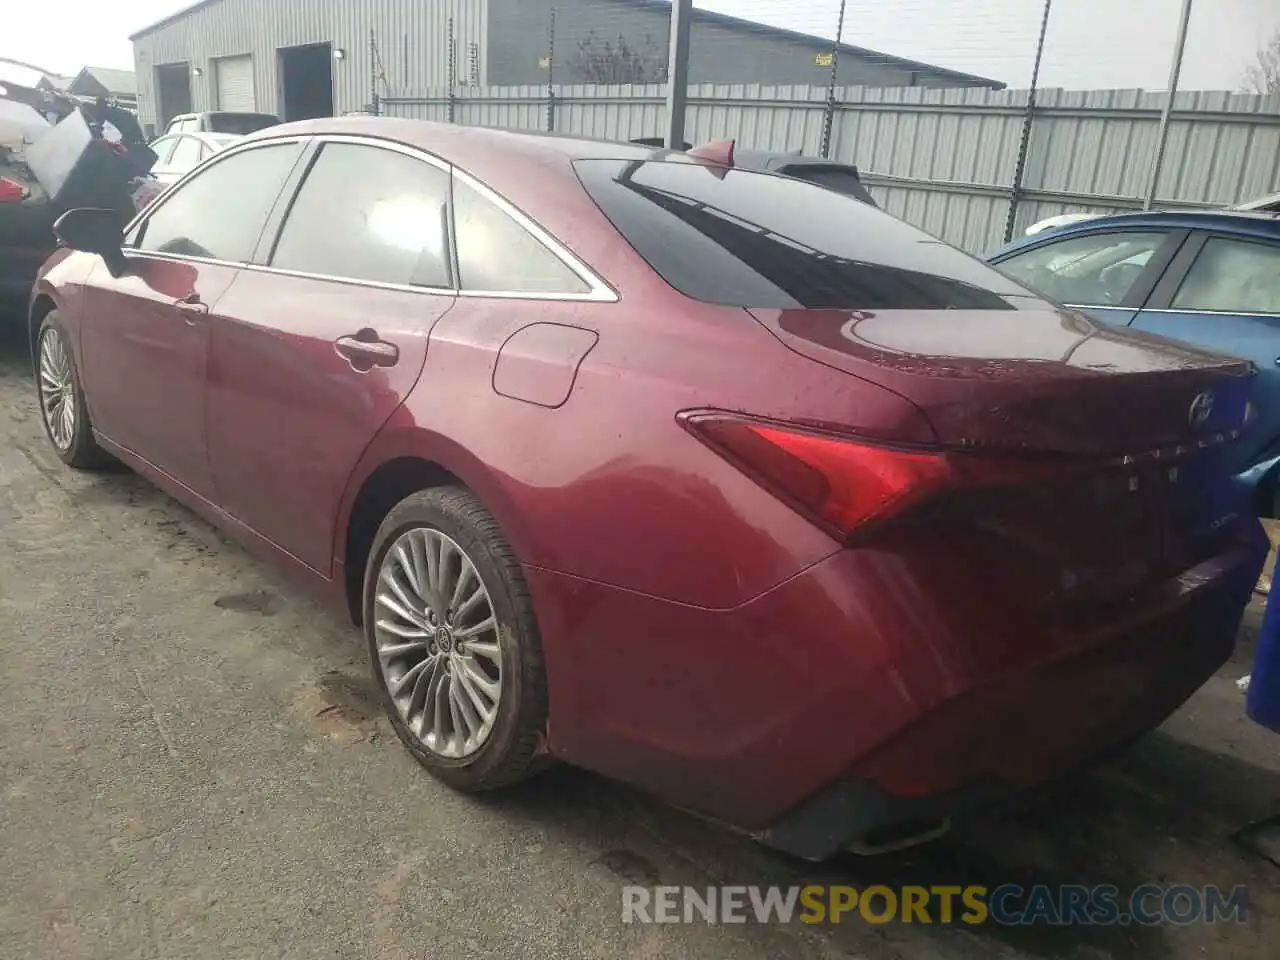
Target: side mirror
94, 230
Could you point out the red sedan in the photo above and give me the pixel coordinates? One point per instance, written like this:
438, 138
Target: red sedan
714, 481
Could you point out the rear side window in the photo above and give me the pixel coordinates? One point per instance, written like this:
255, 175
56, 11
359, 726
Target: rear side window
367, 213
497, 255
220, 213
755, 240
1232, 276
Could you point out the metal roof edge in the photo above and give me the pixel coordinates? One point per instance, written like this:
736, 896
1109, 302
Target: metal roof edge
171, 18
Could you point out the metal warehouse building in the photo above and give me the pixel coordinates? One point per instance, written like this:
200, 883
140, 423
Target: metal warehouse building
307, 58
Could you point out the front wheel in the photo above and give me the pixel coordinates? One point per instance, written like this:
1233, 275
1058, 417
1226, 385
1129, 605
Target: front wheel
62, 406
453, 642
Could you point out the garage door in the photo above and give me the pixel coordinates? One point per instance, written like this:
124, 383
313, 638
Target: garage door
234, 77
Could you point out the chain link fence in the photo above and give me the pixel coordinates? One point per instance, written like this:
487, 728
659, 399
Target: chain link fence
971, 120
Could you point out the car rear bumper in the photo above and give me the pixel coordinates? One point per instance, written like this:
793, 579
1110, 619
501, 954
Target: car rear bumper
852, 698
1027, 728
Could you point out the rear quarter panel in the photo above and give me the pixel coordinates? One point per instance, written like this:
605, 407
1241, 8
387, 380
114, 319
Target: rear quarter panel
609, 487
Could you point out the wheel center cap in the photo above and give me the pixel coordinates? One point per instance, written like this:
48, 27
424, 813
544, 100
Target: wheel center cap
444, 639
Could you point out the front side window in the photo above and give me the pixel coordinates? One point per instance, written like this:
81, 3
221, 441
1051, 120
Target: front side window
1098, 270
740, 238
497, 255
219, 214
367, 213
1232, 276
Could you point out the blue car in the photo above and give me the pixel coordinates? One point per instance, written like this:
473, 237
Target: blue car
1209, 278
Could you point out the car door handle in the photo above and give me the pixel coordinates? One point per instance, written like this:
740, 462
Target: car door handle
366, 350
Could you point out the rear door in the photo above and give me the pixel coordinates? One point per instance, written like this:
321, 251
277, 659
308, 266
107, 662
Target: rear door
1107, 275
1222, 292
313, 351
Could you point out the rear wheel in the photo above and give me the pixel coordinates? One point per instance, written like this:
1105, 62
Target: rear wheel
62, 406
453, 643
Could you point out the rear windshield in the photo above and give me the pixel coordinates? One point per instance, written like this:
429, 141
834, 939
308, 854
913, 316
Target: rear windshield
242, 124
840, 179
749, 239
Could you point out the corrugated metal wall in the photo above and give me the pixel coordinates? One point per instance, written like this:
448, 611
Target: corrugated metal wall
412, 37
941, 159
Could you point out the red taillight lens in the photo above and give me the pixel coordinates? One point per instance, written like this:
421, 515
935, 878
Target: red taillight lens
11, 191
841, 483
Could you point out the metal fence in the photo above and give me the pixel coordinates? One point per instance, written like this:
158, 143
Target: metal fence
944, 160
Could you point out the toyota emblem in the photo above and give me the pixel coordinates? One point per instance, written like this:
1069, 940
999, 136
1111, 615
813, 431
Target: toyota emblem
1201, 409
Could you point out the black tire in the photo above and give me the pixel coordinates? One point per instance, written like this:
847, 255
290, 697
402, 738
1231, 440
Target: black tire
83, 452
511, 752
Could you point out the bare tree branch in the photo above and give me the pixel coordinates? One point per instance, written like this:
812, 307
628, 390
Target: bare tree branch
1264, 75
617, 61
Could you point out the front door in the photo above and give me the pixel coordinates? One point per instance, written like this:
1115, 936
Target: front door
144, 347
1106, 275
145, 335
312, 355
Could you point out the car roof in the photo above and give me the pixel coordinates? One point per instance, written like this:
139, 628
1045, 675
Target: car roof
452, 142
532, 171
1244, 223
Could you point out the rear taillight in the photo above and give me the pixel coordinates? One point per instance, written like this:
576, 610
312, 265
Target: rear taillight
840, 483
11, 191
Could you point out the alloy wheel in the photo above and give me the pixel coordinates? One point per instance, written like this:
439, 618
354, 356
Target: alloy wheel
57, 389
439, 647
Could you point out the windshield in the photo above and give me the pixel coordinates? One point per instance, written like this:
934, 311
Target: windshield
220, 141
241, 123
741, 238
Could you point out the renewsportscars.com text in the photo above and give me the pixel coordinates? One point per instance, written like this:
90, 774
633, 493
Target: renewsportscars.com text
1007, 905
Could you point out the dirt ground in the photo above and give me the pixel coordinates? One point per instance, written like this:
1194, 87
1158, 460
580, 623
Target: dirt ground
191, 766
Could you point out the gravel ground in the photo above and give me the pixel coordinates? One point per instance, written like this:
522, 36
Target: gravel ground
191, 766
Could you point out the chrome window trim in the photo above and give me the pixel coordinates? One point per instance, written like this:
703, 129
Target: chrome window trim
158, 204
1099, 306
598, 292
597, 289
132, 253
1212, 313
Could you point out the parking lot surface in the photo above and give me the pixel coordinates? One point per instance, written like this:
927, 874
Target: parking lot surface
191, 766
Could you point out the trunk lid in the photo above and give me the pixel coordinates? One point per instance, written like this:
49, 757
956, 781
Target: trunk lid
1119, 484
1039, 380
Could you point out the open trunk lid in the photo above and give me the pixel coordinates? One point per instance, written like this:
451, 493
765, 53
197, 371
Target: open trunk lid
1032, 380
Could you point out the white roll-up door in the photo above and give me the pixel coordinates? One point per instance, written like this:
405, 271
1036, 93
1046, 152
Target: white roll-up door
234, 78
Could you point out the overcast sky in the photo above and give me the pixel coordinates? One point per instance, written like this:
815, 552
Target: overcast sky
1092, 43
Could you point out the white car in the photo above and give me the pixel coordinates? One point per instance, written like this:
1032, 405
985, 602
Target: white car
1269, 204
179, 153
1062, 220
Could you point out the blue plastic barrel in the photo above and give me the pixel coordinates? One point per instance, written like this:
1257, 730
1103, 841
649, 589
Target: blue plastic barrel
1262, 702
